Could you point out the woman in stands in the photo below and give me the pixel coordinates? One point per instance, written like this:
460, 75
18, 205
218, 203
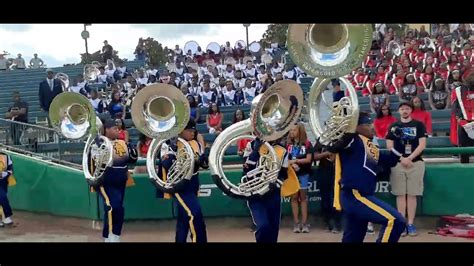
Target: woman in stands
123, 133
195, 114
239, 115
370, 84
383, 121
426, 79
214, 119
409, 89
419, 113
438, 95
143, 144
378, 97
115, 107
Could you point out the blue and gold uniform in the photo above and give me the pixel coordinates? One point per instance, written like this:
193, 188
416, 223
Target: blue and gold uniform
358, 161
112, 189
266, 210
6, 179
189, 213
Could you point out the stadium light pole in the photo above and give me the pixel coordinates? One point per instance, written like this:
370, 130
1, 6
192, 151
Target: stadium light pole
247, 34
85, 36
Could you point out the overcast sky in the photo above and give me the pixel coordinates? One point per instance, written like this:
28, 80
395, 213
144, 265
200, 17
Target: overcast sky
59, 44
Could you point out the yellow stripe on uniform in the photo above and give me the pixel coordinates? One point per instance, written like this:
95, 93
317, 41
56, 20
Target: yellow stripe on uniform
379, 210
107, 202
2, 214
191, 217
337, 186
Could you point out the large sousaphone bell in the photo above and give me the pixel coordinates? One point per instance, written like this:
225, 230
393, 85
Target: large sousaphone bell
161, 112
73, 116
329, 51
271, 116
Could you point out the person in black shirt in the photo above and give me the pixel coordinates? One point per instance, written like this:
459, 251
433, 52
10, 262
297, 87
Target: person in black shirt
107, 51
408, 137
17, 112
325, 179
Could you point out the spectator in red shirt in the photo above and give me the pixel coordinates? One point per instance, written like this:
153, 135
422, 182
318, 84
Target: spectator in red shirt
419, 113
241, 143
383, 121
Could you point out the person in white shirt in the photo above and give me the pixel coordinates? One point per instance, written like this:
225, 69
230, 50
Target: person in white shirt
206, 96
110, 71
250, 71
81, 82
195, 89
276, 68
36, 62
289, 72
96, 102
179, 69
102, 78
227, 50
174, 80
240, 65
177, 51
76, 88
220, 89
229, 93
229, 72
239, 81
187, 76
199, 52
141, 78
19, 62
249, 92
121, 69
152, 70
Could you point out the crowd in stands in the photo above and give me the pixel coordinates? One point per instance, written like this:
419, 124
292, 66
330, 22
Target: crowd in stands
410, 65
19, 62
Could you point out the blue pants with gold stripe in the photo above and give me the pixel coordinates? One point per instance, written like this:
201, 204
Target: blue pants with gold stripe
189, 218
5, 209
113, 209
266, 214
359, 210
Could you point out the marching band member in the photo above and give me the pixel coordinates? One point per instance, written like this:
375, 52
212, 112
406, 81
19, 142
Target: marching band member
464, 111
357, 163
189, 218
116, 178
6, 180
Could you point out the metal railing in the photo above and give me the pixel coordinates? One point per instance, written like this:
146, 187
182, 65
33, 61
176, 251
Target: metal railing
41, 140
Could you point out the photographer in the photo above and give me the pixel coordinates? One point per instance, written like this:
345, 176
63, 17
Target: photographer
408, 137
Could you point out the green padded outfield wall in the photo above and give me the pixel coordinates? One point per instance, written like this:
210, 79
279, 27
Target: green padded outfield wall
50, 188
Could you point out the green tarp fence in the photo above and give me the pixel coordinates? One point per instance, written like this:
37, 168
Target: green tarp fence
50, 188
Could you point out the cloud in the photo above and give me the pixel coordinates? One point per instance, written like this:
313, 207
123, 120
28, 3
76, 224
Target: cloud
15, 27
175, 31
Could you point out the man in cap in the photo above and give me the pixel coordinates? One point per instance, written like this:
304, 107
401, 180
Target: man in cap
357, 163
408, 137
